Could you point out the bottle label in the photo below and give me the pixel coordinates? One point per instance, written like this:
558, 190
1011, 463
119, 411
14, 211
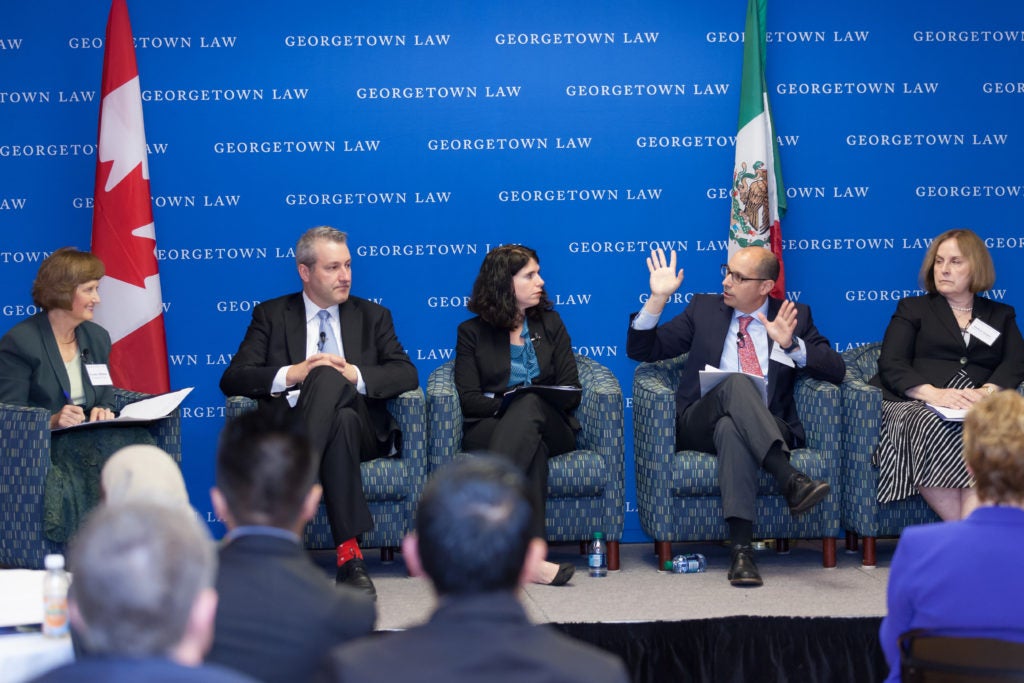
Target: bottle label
595, 560
55, 617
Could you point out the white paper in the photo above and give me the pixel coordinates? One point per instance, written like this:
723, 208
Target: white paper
21, 597
711, 377
950, 414
983, 332
146, 410
99, 374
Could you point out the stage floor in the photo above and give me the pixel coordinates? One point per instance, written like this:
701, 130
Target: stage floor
795, 585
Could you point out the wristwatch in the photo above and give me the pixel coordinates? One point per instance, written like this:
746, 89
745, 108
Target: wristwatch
794, 346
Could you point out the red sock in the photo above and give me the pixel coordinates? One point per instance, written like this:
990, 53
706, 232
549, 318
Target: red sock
349, 550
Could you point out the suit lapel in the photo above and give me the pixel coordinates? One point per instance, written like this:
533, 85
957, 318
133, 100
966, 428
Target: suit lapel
351, 331
716, 341
53, 354
944, 314
295, 329
773, 368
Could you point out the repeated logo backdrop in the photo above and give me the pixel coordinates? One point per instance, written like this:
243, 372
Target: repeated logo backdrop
431, 131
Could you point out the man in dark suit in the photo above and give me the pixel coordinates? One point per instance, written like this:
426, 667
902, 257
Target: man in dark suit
278, 614
142, 602
335, 359
742, 330
473, 541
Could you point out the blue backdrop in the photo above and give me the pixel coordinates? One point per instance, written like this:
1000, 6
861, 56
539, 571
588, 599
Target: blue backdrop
431, 131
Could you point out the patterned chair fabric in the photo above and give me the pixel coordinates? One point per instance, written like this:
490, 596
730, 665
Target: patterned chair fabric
586, 487
24, 462
392, 485
862, 417
677, 492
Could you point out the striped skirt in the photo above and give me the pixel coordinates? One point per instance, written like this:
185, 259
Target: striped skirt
920, 449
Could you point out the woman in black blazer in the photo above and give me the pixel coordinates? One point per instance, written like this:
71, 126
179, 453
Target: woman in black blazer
949, 348
48, 361
515, 340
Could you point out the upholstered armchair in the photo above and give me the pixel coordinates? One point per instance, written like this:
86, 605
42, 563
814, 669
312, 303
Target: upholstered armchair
863, 515
392, 485
677, 492
24, 462
586, 487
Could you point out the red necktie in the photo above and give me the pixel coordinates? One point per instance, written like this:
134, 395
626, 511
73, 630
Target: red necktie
748, 354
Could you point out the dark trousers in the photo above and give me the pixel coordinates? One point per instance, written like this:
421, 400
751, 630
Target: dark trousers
733, 422
528, 432
340, 431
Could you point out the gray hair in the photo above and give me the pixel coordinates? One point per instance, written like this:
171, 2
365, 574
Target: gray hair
305, 249
138, 570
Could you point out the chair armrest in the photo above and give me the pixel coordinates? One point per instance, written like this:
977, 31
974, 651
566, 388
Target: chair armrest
444, 434
410, 411
819, 405
862, 411
654, 416
166, 432
600, 413
238, 405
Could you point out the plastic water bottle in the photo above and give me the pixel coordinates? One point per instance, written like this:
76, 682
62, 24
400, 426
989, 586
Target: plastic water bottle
55, 597
597, 559
690, 563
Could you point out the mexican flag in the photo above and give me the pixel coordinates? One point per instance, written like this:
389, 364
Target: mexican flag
758, 195
123, 234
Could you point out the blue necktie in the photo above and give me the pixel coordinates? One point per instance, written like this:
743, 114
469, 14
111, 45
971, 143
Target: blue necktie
326, 342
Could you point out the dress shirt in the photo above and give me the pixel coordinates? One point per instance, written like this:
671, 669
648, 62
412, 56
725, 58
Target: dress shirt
280, 384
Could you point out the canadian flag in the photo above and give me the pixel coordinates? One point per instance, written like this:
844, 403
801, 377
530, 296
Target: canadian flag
123, 235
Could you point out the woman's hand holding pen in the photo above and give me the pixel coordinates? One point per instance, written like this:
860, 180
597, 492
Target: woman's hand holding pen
68, 416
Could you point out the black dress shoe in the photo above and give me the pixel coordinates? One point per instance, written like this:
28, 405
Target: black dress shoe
353, 573
743, 571
802, 493
565, 572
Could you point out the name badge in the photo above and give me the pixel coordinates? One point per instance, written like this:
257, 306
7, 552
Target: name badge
99, 374
983, 332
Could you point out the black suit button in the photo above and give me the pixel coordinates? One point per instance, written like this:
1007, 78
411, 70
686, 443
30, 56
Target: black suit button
963, 361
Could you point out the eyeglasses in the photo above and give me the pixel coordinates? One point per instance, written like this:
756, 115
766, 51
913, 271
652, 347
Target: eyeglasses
737, 278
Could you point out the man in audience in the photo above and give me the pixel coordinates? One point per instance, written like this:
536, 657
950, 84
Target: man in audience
279, 613
142, 600
335, 361
745, 331
473, 541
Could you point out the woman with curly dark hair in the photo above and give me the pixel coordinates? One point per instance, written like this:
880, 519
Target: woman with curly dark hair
516, 339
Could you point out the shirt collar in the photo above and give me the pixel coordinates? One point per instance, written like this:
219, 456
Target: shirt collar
312, 309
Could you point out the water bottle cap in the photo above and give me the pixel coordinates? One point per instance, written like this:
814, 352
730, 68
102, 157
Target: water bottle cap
54, 561
668, 565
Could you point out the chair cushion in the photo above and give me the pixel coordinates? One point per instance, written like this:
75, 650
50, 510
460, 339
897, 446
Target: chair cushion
386, 479
577, 474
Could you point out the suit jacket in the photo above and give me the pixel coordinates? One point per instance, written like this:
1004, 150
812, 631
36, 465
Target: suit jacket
475, 638
133, 670
700, 331
483, 362
954, 576
278, 613
32, 371
277, 337
923, 345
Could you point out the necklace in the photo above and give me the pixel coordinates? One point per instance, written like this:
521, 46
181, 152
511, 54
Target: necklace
962, 309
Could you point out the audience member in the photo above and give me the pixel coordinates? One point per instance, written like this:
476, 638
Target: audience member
142, 599
474, 542
142, 473
745, 331
279, 614
957, 577
335, 360
950, 347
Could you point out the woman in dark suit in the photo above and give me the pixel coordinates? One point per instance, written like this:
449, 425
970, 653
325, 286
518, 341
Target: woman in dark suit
953, 578
950, 348
48, 361
515, 340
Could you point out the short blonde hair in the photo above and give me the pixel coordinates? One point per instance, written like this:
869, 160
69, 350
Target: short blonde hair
994, 447
983, 273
